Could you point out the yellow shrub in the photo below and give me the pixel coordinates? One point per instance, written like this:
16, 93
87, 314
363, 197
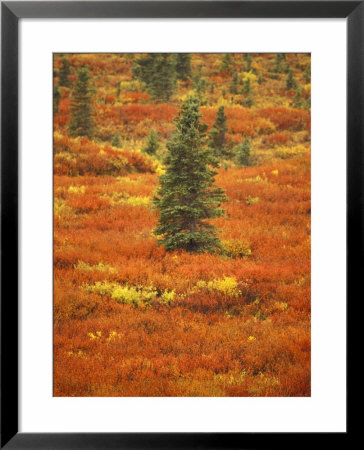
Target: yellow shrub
76, 190
257, 179
228, 286
167, 297
100, 267
251, 200
126, 294
120, 198
237, 248
290, 152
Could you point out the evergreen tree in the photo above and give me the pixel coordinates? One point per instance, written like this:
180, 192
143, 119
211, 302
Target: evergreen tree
233, 88
246, 87
290, 81
278, 63
308, 103
260, 78
297, 102
242, 153
248, 62
249, 101
56, 99
64, 72
118, 90
199, 83
226, 63
152, 144
187, 196
199, 86
307, 74
183, 66
116, 140
158, 72
81, 122
217, 140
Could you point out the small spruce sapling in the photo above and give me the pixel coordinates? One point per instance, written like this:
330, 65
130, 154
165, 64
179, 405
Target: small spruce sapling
242, 153
217, 136
152, 144
56, 98
290, 81
116, 140
64, 73
81, 122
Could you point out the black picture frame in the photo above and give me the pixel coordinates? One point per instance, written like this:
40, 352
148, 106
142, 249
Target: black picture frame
11, 12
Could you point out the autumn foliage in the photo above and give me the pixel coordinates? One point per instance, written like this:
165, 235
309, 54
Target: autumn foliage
130, 318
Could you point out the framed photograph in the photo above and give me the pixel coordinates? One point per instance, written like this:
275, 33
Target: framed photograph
181, 221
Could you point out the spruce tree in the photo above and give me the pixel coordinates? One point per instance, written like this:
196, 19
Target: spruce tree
226, 63
233, 88
248, 62
183, 66
246, 87
64, 72
116, 140
249, 101
290, 81
187, 196
56, 99
158, 72
307, 74
217, 139
118, 89
297, 102
278, 63
200, 88
81, 122
242, 153
152, 144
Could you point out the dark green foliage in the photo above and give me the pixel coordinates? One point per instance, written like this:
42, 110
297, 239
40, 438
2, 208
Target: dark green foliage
158, 72
56, 99
199, 86
187, 196
248, 62
183, 66
217, 139
81, 123
246, 87
226, 63
116, 140
290, 81
297, 102
249, 101
307, 74
64, 72
260, 78
152, 144
242, 153
234, 84
307, 104
278, 63
118, 89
